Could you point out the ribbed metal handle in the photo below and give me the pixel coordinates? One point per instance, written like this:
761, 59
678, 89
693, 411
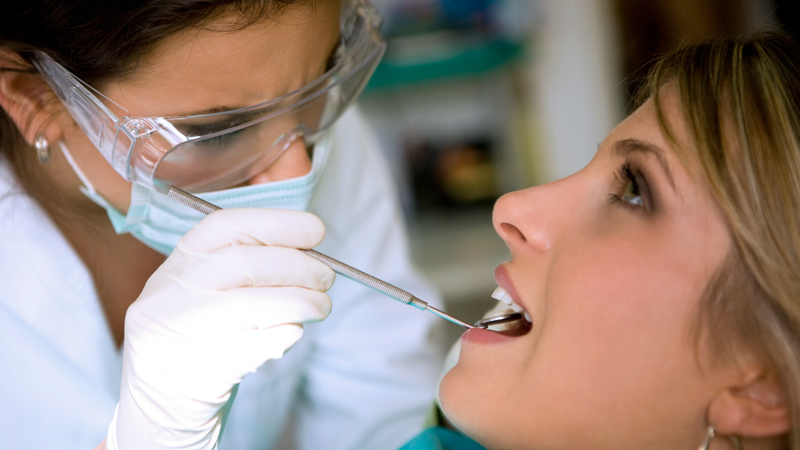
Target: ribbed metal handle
362, 278
196, 203
365, 279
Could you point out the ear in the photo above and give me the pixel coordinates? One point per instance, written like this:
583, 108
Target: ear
754, 406
28, 99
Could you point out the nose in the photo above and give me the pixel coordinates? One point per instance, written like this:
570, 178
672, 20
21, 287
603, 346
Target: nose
293, 162
525, 219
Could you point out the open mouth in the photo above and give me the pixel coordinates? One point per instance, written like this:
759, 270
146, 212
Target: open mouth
515, 328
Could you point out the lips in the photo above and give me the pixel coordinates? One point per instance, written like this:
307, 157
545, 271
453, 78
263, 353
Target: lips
506, 293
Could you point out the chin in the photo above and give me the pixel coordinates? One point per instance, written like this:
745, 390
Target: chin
479, 403
465, 406
453, 393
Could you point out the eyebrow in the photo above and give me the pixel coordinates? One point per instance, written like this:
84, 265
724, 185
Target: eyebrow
625, 147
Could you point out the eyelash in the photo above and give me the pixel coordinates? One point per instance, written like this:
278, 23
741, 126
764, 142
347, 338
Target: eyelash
627, 174
219, 140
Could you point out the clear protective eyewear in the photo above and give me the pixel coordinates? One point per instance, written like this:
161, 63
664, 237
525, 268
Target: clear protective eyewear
207, 152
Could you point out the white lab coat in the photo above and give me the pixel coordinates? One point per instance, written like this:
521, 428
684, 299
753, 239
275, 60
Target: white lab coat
362, 379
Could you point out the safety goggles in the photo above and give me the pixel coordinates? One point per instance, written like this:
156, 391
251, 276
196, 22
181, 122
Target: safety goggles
202, 153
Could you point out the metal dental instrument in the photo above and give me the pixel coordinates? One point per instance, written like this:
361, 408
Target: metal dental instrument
496, 320
352, 273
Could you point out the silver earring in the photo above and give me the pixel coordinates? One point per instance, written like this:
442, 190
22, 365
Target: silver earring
42, 149
709, 437
737, 444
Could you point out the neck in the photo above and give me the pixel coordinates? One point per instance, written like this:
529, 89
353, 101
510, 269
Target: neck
120, 266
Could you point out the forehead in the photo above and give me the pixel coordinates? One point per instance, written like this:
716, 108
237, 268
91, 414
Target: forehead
218, 64
645, 119
644, 124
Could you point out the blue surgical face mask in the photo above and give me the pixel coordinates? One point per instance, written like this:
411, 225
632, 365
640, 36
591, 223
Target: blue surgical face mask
159, 222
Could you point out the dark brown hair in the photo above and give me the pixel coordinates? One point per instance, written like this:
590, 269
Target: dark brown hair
98, 41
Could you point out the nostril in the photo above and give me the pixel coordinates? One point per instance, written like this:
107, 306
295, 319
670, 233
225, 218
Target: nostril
512, 232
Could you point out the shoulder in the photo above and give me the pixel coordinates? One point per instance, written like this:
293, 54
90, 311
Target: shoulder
356, 174
355, 148
22, 222
19, 214
48, 304
356, 171
43, 278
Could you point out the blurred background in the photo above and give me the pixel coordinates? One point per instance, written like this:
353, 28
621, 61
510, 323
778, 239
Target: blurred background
476, 98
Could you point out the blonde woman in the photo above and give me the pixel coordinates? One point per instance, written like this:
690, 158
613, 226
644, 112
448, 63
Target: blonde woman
662, 280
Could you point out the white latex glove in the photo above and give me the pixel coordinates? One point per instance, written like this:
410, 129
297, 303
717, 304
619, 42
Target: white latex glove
233, 294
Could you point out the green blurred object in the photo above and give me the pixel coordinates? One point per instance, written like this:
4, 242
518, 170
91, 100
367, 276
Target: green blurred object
469, 59
440, 438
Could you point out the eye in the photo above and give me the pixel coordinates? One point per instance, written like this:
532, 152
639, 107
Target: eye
632, 194
630, 188
219, 141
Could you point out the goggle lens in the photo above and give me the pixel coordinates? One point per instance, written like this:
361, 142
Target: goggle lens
214, 151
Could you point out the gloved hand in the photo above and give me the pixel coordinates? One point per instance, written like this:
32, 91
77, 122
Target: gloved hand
234, 294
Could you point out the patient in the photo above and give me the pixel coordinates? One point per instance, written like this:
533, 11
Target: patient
663, 280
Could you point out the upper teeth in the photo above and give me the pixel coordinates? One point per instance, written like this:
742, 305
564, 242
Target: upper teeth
502, 295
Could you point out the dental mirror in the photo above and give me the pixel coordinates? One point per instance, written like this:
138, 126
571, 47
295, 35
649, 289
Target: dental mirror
496, 320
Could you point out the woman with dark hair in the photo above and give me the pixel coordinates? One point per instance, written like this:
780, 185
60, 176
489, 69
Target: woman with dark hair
245, 104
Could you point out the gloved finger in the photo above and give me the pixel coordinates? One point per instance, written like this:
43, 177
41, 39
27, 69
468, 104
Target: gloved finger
245, 350
245, 309
254, 226
253, 348
266, 307
248, 266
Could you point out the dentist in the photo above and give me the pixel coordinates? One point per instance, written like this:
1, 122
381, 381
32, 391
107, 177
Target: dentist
247, 105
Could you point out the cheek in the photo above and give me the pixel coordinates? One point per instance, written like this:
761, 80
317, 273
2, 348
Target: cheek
110, 184
615, 305
294, 162
616, 339
611, 359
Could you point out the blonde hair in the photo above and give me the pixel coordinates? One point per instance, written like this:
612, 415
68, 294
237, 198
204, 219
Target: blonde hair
741, 100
